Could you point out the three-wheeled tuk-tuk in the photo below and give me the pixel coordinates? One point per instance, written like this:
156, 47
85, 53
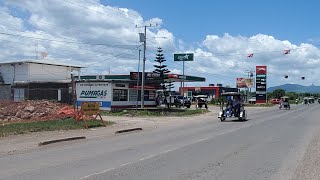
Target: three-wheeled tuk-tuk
284, 103
233, 108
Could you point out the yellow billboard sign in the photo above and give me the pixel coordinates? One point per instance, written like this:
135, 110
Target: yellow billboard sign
90, 108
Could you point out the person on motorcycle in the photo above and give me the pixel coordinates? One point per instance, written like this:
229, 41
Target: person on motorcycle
236, 106
229, 108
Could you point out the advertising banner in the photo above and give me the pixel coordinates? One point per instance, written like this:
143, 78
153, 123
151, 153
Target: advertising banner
244, 82
261, 84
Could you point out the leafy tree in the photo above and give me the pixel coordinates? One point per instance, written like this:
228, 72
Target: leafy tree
292, 95
270, 95
278, 93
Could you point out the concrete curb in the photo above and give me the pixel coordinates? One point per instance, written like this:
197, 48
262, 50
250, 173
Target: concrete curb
61, 140
128, 130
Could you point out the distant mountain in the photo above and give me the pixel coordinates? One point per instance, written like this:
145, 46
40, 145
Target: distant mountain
296, 88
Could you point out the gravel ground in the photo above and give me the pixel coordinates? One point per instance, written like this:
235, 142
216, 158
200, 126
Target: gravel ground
309, 166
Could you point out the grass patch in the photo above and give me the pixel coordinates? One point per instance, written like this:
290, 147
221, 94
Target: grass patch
156, 112
66, 124
260, 105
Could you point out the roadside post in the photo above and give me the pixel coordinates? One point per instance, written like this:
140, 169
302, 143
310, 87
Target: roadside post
183, 57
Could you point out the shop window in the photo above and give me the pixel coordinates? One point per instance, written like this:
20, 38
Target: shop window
120, 95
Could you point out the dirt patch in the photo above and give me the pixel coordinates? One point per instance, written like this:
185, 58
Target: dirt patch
31, 110
309, 167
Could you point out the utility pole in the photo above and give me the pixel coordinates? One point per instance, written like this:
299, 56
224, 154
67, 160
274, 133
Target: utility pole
73, 92
143, 38
183, 85
138, 79
250, 76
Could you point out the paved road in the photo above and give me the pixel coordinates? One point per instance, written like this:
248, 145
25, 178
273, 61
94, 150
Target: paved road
267, 146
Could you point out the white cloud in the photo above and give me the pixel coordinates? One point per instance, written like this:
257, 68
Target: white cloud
227, 56
154, 22
87, 22
218, 58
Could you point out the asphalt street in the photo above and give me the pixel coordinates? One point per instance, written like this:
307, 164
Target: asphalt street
269, 145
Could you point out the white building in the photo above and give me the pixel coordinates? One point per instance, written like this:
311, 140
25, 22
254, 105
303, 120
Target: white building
35, 79
122, 91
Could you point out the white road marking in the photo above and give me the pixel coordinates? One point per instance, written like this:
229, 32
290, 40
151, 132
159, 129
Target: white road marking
170, 150
97, 173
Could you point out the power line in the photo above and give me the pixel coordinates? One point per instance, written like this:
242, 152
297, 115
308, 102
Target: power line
61, 41
206, 73
74, 51
112, 57
74, 30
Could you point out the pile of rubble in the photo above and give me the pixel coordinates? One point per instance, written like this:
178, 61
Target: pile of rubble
31, 110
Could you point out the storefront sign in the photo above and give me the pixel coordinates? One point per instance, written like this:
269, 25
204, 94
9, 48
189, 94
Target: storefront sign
183, 57
94, 92
147, 75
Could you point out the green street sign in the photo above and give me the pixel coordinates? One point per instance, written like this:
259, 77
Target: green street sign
183, 57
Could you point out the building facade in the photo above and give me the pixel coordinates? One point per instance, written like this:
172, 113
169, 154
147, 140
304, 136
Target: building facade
24, 80
122, 91
213, 92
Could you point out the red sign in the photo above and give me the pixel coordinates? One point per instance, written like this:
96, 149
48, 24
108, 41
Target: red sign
261, 70
176, 76
261, 84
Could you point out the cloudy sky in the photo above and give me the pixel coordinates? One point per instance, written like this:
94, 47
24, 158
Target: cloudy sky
103, 37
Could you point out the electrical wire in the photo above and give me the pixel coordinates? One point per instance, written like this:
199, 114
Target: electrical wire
61, 41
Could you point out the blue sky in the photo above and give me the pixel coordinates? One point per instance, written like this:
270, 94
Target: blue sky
220, 33
296, 21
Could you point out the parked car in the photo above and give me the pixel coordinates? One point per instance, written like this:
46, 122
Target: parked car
180, 101
252, 100
201, 100
275, 101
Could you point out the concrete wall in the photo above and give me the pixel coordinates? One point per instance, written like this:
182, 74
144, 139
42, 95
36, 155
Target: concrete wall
21, 72
5, 92
43, 72
33, 72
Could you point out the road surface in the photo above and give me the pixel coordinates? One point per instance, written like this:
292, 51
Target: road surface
270, 145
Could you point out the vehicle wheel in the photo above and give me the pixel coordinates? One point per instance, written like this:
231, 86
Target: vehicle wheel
222, 118
244, 118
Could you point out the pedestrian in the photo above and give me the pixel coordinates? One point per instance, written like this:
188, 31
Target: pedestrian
196, 102
205, 104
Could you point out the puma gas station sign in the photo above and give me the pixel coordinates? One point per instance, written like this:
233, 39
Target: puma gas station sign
261, 84
183, 57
